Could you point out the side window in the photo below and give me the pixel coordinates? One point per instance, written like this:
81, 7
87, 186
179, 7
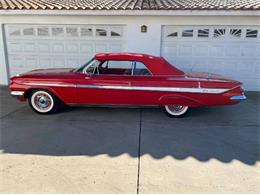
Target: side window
116, 67
140, 69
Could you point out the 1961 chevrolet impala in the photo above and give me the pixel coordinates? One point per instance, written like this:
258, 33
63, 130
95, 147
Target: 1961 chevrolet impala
125, 79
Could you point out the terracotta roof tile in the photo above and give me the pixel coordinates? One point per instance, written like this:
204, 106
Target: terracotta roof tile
130, 4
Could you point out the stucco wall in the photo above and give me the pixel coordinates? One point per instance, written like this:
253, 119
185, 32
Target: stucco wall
136, 41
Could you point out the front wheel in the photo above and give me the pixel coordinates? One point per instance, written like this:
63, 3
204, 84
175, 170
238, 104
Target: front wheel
176, 110
43, 102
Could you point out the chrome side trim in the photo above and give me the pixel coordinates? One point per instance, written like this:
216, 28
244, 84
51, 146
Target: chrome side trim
238, 98
166, 89
17, 93
50, 84
138, 88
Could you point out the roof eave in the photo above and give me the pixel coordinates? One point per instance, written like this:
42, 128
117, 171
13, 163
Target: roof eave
135, 12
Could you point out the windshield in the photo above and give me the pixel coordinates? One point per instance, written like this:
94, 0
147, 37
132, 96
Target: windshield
80, 69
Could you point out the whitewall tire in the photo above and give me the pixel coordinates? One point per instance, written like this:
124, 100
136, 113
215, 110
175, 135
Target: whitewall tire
176, 110
43, 102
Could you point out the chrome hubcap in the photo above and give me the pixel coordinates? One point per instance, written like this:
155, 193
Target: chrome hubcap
42, 101
176, 108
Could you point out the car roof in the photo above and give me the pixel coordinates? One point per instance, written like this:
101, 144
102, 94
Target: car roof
157, 65
122, 56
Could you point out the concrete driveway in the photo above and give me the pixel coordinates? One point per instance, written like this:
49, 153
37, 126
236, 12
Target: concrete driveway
120, 150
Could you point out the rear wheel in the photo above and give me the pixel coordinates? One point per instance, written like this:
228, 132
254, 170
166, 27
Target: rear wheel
43, 102
176, 110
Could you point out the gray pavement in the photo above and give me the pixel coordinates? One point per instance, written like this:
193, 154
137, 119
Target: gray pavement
121, 150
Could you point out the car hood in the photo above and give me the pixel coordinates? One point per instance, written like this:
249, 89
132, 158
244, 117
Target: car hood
52, 71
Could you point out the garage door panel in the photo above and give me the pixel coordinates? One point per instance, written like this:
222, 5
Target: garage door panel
58, 47
249, 50
86, 48
170, 49
257, 68
183, 63
43, 47
246, 67
220, 67
229, 68
14, 47
216, 49
52, 46
84, 59
233, 51
116, 47
101, 48
44, 61
30, 62
58, 62
200, 65
17, 62
200, 50
72, 62
185, 50
249, 71
29, 47
72, 48
251, 84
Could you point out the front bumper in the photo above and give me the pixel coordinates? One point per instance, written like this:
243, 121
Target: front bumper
18, 94
238, 98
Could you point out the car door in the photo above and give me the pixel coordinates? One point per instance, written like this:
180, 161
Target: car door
145, 86
108, 84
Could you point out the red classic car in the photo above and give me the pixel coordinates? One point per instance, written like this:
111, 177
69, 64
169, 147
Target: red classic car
125, 79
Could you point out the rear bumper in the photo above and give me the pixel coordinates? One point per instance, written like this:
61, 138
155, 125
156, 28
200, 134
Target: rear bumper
18, 94
238, 98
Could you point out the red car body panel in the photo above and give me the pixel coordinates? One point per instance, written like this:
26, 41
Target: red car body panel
167, 85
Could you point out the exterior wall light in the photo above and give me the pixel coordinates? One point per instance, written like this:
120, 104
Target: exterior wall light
143, 28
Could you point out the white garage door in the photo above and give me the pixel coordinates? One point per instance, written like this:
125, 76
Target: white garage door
53, 46
232, 51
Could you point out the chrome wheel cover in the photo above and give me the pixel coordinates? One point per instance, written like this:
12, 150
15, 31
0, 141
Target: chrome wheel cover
42, 101
176, 110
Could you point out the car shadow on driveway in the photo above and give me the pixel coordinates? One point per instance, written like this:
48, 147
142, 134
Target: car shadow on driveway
222, 133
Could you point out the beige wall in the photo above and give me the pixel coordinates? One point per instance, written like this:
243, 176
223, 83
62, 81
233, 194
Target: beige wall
136, 41
164, 20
